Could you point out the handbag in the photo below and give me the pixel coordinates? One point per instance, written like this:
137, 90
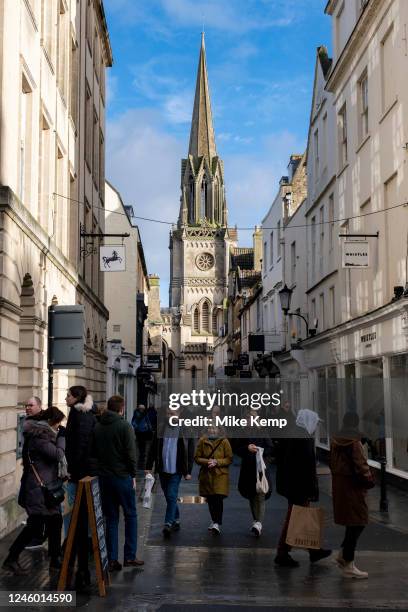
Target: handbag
262, 484
305, 528
53, 491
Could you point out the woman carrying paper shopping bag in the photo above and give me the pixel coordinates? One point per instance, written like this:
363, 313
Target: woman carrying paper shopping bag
255, 453
351, 478
296, 479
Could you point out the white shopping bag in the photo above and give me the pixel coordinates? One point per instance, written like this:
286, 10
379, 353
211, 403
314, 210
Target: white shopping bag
147, 492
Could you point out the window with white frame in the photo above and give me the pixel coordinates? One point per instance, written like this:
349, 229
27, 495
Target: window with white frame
388, 72
331, 222
316, 153
332, 306
49, 32
265, 256
26, 143
278, 239
293, 262
313, 244
342, 131
322, 320
63, 22
74, 82
88, 127
321, 246
323, 147
271, 250
363, 106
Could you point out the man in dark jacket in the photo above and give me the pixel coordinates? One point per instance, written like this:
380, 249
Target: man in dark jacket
34, 412
173, 456
115, 450
296, 479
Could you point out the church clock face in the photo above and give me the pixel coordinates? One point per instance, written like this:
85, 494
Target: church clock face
204, 261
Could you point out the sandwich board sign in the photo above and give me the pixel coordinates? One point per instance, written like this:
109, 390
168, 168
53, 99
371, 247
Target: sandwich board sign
88, 490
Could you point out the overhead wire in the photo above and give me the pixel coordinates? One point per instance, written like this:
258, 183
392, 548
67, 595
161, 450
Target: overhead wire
300, 226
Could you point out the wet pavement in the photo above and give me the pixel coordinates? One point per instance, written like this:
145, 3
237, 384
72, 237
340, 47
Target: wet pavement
195, 570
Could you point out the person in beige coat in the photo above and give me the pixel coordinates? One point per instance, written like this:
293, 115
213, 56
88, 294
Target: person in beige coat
214, 456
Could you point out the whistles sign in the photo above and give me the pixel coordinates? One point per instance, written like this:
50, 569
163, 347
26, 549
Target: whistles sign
356, 254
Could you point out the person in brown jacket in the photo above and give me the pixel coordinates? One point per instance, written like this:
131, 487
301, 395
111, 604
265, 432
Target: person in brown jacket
351, 477
214, 456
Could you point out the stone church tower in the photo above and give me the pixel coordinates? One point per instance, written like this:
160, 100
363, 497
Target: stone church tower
200, 244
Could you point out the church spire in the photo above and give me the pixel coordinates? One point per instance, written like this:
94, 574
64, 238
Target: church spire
202, 141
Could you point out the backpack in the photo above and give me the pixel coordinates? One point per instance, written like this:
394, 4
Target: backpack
141, 424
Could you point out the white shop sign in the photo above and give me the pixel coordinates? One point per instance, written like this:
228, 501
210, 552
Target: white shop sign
112, 258
356, 254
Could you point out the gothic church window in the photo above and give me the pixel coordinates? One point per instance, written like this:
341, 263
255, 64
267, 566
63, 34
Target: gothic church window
205, 317
196, 320
191, 200
203, 208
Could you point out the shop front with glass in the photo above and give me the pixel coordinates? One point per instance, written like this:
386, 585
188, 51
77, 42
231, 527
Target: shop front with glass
365, 369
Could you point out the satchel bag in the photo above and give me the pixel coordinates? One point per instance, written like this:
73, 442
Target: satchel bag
53, 491
305, 527
262, 485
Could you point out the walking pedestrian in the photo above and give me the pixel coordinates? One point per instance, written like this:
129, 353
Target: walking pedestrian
296, 479
115, 450
144, 424
43, 462
80, 425
351, 478
247, 450
173, 457
214, 456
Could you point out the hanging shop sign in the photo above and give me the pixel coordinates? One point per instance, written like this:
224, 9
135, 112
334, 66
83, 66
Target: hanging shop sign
356, 254
112, 258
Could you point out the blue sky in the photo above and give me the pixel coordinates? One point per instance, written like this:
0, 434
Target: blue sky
260, 56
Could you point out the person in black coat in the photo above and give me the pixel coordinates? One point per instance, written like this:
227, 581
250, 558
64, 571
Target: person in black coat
43, 459
80, 425
247, 449
296, 478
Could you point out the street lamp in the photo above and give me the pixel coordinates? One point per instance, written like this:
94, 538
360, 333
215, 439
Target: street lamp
285, 296
230, 353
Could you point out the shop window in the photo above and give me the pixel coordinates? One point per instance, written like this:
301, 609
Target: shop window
371, 407
399, 413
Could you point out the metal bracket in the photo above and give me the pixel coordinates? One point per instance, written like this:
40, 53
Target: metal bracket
360, 235
88, 248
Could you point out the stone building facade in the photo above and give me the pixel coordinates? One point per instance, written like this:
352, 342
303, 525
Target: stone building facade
53, 57
199, 246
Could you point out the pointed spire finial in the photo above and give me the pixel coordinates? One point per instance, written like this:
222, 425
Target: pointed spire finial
202, 140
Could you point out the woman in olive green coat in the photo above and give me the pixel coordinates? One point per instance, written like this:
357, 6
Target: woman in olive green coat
214, 456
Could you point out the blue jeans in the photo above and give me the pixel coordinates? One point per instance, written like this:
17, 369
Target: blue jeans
170, 484
118, 492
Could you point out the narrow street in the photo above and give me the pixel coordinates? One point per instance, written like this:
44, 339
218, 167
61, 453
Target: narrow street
195, 570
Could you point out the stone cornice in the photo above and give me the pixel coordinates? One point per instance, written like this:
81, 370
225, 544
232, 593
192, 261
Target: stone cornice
13, 207
10, 306
373, 317
357, 36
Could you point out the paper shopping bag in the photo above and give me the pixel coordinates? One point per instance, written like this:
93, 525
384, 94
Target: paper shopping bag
305, 527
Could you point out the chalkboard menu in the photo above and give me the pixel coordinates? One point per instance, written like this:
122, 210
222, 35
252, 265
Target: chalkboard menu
100, 530
88, 490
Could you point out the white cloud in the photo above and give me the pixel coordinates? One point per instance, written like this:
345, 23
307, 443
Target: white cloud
143, 163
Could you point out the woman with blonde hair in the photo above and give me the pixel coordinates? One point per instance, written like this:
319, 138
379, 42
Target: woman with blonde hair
214, 456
